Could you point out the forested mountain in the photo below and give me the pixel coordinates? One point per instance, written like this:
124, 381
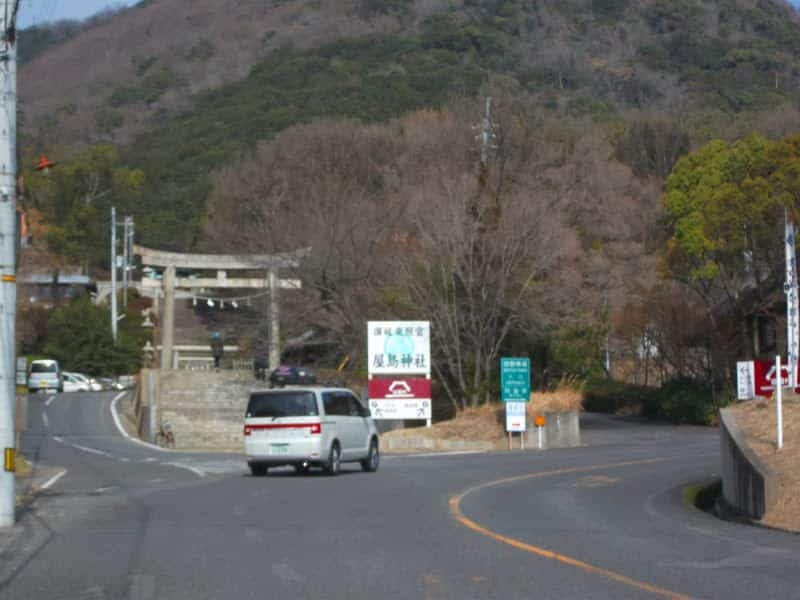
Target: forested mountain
182, 88
216, 123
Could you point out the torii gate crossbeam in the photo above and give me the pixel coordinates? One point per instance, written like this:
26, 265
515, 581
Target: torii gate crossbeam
171, 261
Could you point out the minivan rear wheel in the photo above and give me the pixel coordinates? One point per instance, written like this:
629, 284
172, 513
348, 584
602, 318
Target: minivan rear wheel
258, 470
370, 464
334, 460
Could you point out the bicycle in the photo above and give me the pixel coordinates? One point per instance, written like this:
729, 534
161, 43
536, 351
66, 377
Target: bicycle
165, 438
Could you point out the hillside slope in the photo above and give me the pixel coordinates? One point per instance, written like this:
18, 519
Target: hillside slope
184, 88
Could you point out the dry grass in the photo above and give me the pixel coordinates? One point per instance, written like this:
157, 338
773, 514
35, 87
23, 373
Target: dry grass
758, 420
487, 423
566, 397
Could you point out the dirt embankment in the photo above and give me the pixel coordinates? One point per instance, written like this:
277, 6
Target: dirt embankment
758, 420
487, 423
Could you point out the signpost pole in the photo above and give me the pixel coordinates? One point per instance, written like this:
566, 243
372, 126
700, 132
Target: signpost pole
428, 422
539, 437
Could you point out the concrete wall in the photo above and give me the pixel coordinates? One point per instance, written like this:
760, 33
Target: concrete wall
748, 485
561, 430
206, 409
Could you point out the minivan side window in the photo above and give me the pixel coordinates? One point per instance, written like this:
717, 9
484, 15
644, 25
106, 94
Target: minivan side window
354, 406
335, 404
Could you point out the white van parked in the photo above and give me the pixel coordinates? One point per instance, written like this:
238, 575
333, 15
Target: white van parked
306, 427
45, 376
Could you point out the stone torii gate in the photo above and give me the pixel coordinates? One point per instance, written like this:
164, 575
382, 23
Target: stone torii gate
222, 263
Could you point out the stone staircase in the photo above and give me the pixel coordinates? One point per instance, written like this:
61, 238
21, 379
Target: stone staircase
206, 408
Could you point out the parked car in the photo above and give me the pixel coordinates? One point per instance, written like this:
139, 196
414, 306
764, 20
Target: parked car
73, 383
309, 427
87, 384
285, 375
109, 383
45, 376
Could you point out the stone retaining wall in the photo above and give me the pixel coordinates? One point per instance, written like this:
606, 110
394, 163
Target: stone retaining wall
748, 485
206, 409
561, 430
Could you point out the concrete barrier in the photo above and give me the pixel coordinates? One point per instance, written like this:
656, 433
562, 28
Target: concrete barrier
422, 443
561, 430
748, 485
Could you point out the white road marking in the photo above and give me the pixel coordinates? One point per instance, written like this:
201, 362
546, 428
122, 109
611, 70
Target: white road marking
49, 400
430, 454
125, 460
100, 490
92, 450
121, 429
45, 420
50, 482
194, 470
58, 439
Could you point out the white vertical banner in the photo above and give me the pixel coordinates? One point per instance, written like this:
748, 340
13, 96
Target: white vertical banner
745, 380
792, 316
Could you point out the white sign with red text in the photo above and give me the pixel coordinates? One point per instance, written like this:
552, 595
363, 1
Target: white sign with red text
515, 416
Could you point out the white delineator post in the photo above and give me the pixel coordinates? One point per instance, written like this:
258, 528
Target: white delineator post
8, 226
779, 400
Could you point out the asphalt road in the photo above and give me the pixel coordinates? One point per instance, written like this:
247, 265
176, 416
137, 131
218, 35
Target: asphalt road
602, 521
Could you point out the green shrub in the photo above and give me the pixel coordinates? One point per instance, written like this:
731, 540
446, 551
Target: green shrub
79, 337
608, 396
108, 120
686, 401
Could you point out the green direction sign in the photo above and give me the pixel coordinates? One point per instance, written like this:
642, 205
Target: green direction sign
515, 379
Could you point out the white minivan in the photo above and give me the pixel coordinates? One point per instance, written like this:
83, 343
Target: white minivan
45, 376
309, 427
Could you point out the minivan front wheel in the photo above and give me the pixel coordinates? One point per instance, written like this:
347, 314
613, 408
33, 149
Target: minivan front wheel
370, 464
334, 460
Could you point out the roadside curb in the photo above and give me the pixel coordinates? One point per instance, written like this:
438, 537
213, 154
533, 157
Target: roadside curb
124, 433
40, 480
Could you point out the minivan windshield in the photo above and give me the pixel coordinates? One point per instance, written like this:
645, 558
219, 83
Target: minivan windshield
38, 367
282, 404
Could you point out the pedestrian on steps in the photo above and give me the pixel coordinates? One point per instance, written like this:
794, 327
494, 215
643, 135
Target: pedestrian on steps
216, 348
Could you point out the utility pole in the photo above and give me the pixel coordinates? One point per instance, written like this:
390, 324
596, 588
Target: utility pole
114, 274
129, 264
125, 224
8, 236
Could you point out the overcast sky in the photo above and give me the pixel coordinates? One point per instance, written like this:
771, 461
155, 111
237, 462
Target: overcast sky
35, 12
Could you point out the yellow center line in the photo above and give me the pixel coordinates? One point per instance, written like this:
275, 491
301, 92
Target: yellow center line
458, 515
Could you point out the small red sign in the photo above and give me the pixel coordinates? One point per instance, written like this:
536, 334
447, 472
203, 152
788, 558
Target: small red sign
766, 379
400, 389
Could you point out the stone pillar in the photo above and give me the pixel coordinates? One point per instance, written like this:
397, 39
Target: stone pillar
168, 325
274, 321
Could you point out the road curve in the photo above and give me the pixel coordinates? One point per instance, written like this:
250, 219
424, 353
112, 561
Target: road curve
601, 521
